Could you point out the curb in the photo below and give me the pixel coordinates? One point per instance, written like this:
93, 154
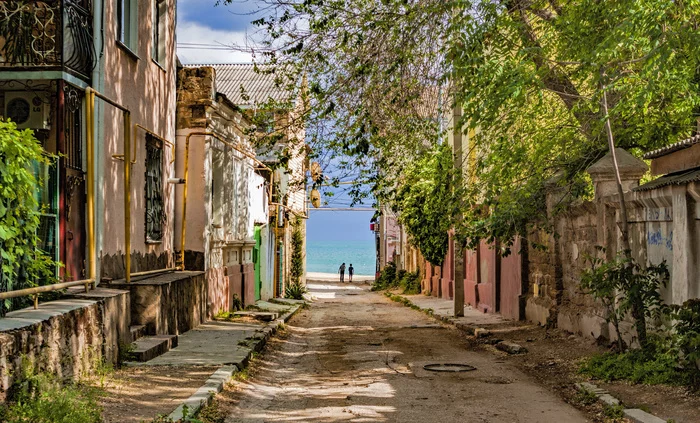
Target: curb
220, 377
635, 415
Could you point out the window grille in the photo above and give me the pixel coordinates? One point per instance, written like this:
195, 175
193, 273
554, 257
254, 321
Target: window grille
155, 211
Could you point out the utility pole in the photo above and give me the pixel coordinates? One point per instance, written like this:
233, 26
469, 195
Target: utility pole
458, 250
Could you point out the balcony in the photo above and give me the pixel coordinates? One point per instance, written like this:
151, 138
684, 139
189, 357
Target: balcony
47, 35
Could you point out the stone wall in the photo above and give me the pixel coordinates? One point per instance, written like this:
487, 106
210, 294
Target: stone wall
68, 337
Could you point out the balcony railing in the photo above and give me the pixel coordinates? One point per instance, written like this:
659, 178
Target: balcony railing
51, 34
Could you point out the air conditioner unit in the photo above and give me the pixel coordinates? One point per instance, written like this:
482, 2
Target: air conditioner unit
27, 110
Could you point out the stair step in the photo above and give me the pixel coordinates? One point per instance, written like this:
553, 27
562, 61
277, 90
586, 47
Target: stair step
137, 332
150, 347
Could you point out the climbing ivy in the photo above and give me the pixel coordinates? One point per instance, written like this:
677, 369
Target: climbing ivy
425, 201
22, 264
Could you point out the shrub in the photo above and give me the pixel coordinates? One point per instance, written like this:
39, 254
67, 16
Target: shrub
295, 291
625, 286
650, 367
42, 398
22, 263
387, 278
410, 283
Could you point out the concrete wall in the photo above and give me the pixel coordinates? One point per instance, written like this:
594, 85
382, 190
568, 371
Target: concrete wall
168, 304
147, 88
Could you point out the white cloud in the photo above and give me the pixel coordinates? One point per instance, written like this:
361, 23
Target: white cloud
194, 33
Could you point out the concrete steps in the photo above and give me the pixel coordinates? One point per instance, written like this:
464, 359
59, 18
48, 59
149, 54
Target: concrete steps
137, 332
150, 347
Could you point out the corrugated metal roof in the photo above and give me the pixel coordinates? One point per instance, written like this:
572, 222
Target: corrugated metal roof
246, 87
677, 178
673, 147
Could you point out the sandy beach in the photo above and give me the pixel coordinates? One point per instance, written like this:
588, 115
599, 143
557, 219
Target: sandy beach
331, 277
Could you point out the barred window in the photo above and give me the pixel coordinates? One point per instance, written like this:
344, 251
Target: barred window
155, 213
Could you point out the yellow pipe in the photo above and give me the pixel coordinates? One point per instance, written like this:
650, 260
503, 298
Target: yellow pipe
90, 141
91, 93
184, 201
127, 196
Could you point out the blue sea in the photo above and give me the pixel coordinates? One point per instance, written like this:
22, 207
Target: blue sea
327, 256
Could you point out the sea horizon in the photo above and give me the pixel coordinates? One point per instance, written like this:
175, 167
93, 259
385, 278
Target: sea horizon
327, 256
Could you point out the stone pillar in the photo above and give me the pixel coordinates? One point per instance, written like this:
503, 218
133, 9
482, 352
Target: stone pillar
605, 184
685, 246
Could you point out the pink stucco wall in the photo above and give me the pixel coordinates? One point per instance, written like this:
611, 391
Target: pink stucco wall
148, 90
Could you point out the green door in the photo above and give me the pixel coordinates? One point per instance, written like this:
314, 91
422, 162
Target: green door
256, 260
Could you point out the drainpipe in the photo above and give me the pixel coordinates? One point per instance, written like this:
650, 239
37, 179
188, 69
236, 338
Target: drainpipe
90, 141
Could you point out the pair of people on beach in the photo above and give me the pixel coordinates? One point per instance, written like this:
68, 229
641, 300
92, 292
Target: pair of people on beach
341, 270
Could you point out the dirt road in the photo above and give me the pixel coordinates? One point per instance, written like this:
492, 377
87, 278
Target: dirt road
355, 356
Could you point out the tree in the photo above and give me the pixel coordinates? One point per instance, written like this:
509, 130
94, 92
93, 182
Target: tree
533, 78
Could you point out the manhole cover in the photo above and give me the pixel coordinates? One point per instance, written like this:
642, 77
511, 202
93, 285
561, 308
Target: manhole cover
449, 367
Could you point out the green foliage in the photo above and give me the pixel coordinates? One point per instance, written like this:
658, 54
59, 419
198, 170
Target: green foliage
528, 75
426, 202
295, 291
614, 412
387, 278
410, 283
530, 78
686, 335
297, 264
586, 397
212, 413
125, 351
42, 398
625, 286
651, 367
22, 263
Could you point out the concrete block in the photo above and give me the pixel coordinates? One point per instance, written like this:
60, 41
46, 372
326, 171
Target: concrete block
636, 415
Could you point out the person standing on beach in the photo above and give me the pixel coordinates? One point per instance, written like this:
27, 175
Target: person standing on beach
341, 270
351, 270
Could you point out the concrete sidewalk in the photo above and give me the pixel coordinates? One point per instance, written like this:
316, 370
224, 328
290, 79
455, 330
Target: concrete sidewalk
444, 310
187, 376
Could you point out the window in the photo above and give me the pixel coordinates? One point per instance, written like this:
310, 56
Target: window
155, 213
160, 15
217, 188
127, 24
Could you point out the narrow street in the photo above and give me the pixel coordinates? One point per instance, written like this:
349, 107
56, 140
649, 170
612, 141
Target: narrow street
356, 356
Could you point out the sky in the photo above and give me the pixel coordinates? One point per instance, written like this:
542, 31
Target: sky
203, 32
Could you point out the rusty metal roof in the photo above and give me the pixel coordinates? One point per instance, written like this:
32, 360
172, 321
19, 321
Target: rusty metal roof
247, 86
677, 178
673, 147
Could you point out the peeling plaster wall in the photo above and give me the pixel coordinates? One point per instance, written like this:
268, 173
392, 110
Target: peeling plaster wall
663, 226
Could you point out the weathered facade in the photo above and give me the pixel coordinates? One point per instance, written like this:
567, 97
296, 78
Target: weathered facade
225, 197
250, 90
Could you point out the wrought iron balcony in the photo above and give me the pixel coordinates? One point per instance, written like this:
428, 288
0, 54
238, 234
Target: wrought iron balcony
47, 35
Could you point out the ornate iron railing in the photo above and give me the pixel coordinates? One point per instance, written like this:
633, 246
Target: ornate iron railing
47, 34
